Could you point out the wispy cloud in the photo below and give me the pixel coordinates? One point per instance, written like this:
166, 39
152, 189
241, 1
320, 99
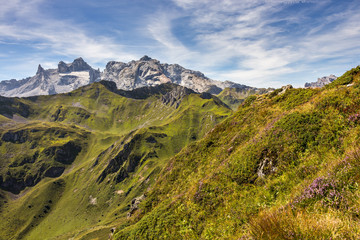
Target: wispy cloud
253, 35
160, 30
30, 26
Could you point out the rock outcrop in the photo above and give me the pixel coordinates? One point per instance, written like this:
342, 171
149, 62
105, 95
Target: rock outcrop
20, 136
64, 154
171, 94
116, 163
49, 162
135, 204
174, 97
285, 88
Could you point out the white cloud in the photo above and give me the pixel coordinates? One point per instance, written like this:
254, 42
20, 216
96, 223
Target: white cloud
18, 7
229, 31
160, 30
245, 34
30, 26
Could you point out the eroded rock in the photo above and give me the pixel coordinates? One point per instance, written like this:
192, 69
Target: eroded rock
20, 136
54, 172
135, 204
65, 154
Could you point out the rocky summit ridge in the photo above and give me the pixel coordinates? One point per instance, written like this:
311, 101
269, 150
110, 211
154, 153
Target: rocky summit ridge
65, 78
150, 72
145, 72
321, 81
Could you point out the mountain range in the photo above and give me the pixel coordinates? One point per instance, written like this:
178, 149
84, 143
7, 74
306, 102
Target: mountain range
127, 76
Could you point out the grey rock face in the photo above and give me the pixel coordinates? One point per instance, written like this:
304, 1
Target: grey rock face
170, 94
145, 72
8, 85
79, 65
321, 82
285, 88
67, 77
40, 70
174, 97
62, 67
76, 66
150, 72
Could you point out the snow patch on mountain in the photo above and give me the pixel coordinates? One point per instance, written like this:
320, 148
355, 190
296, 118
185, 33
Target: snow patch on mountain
66, 78
144, 72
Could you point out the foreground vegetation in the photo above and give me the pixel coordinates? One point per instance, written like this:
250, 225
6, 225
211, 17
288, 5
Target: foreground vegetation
285, 166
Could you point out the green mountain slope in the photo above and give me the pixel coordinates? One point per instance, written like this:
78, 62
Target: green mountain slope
233, 97
71, 164
285, 166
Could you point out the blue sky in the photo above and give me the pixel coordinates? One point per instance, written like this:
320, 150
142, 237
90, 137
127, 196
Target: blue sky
259, 43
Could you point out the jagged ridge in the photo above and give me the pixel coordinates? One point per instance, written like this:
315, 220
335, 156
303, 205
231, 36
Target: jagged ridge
145, 72
321, 82
150, 72
65, 78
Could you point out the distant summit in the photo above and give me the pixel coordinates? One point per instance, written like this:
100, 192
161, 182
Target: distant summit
40, 70
150, 72
77, 65
321, 82
67, 77
145, 58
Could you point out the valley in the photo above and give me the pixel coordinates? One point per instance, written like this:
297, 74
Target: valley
88, 153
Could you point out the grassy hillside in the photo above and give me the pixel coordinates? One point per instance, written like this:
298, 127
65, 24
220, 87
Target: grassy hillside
233, 97
286, 165
71, 164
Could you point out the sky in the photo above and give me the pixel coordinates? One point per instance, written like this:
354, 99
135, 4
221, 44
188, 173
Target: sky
260, 43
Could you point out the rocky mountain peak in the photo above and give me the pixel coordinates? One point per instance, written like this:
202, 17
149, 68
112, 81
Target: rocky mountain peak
79, 65
62, 67
110, 64
40, 70
145, 58
321, 81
